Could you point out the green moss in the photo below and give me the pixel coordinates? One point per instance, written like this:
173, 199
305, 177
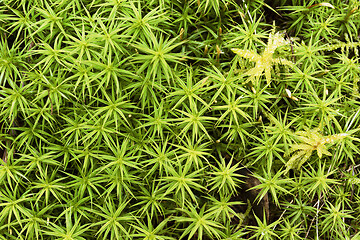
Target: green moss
136, 119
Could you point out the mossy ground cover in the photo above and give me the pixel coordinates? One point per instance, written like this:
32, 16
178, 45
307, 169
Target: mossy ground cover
179, 119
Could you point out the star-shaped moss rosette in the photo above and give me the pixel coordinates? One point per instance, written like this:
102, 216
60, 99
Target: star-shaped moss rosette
264, 61
311, 140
